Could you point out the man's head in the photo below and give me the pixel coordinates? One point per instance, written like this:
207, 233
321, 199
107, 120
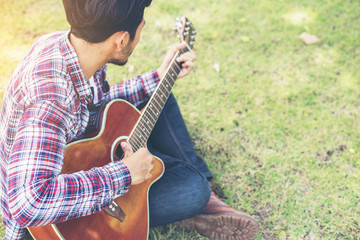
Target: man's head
96, 20
123, 51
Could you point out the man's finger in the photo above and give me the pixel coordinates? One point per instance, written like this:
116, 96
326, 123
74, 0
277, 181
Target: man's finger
178, 46
188, 56
126, 149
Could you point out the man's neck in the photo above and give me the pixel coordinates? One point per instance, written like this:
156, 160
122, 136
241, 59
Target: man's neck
91, 56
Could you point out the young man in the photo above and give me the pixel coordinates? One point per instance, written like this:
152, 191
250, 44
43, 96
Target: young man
46, 105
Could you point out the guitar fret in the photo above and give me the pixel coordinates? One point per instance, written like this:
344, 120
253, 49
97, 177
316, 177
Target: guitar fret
135, 147
144, 135
150, 119
133, 143
151, 108
163, 91
170, 81
165, 88
167, 85
154, 107
151, 113
144, 128
139, 136
137, 142
158, 103
173, 75
159, 100
178, 67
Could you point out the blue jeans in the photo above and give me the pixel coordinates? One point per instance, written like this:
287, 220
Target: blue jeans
183, 191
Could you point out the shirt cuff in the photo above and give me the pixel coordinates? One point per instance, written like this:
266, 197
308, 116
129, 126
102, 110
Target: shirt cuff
121, 177
156, 76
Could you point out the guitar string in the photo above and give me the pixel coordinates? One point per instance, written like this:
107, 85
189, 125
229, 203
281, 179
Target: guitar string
141, 142
139, 137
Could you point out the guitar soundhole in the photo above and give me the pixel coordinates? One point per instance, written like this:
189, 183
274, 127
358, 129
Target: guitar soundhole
116, 151
119, 153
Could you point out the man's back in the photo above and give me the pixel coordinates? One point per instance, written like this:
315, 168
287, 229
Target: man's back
38, 80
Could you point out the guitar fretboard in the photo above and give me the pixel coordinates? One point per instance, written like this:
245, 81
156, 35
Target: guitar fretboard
151, 113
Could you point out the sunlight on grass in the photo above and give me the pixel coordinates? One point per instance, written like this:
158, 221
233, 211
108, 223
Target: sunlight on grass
13, 52
348, 82
325, 57
299, 18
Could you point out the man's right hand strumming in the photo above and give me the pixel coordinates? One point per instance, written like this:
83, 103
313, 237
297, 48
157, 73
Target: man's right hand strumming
139, 163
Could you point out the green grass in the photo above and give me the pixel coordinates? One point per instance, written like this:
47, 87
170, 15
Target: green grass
278, 124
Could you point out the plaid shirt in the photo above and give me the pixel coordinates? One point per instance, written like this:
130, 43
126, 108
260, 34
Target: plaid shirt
44, 108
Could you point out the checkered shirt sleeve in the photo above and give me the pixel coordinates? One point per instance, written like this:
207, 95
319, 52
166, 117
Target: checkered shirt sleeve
38, 194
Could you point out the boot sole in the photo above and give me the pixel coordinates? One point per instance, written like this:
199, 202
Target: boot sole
224, 226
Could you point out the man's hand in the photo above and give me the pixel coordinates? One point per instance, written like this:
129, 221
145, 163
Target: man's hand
187, 58
138, 163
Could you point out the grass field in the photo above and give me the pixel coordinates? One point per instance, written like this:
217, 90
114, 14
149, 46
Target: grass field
278, 121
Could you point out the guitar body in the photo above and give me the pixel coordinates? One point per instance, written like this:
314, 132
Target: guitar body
117, 122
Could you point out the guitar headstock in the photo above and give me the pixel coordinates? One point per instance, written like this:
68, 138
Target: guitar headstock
186, 31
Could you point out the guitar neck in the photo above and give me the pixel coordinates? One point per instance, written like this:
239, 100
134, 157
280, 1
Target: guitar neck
151, 112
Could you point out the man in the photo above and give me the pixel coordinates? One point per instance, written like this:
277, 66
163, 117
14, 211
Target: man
46, 105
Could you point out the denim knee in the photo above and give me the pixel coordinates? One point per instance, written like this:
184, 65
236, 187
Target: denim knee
175, 203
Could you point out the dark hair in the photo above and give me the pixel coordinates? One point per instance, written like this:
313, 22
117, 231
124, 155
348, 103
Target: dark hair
96, 20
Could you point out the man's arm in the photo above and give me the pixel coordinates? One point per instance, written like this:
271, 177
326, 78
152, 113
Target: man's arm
38, 194
135, 90
139, 89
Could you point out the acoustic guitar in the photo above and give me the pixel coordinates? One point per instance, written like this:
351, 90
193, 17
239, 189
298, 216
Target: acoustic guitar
127, 217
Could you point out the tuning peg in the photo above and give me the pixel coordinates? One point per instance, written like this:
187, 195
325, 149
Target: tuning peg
177, 28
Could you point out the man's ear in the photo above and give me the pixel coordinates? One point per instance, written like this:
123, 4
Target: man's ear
121, 39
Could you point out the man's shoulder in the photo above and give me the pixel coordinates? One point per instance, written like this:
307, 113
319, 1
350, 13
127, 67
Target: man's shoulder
44, 68
44, 54
42, 74
54, 35
50, 41
52, 38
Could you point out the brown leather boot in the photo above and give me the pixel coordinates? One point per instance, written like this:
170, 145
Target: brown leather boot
220, 221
